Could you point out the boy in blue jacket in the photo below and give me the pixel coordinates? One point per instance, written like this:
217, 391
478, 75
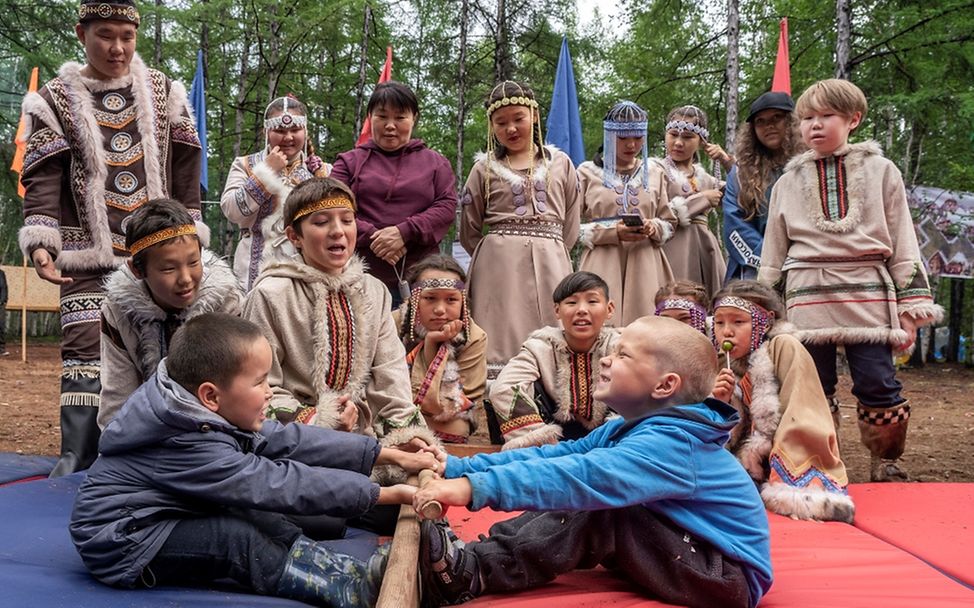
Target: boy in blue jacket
192, 484
653, 495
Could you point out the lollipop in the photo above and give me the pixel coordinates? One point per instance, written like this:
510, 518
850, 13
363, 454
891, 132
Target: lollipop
727, 346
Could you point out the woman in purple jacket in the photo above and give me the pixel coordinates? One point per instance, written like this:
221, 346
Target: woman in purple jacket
406, 193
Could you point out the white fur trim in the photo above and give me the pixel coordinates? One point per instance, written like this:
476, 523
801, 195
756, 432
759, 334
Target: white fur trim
272, 181
203, 232
764, 410
498, 168
586, 233
34, 105
852, 335
406, 434
664, 229
678, 205
32, 237
145, 118
923, 313
809, 503
542, 434
178, 103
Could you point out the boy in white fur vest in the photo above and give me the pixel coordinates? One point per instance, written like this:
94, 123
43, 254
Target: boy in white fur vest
840, 243
168, 280
102, 139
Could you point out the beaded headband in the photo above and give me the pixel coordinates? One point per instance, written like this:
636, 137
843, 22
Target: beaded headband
285, 120
335, 201
439, 284
160, 236
90, 11
698, 314
626, 129
519, 100
761, 317
683, 125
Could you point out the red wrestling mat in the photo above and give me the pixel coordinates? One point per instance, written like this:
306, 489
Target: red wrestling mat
815, 565
932, 521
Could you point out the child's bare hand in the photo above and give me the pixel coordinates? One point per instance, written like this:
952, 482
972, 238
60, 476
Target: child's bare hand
450, 330
348, 414
713, 196
724, 386
276, 159
440, 455
630, 233
414, 462
715, 152
445, 491
649, 228
398, 494
909, 325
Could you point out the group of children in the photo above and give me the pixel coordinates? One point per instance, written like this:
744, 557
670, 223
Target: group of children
242, 408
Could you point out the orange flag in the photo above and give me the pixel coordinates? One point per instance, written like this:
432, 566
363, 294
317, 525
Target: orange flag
20, 142
782, 70
385, 76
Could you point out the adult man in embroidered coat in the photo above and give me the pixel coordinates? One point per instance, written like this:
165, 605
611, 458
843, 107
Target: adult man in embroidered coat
102, 139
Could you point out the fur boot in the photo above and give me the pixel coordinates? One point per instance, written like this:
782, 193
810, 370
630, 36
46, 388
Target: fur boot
883, 432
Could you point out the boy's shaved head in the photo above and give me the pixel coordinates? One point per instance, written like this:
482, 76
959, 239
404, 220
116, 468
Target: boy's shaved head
680, 349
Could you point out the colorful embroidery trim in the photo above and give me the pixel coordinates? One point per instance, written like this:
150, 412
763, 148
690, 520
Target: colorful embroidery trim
162, 235
579, 386
341, 332
833, 187
338, 201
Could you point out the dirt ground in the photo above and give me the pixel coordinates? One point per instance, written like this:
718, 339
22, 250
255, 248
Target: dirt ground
940, 448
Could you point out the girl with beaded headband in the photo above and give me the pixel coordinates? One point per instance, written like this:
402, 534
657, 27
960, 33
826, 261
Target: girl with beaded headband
693, 253
687, 302
168, 280
258, 184
526, 196
786, 439
625, 214
445, 349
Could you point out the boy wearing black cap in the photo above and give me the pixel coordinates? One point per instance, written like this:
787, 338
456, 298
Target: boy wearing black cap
765, 142
102, 139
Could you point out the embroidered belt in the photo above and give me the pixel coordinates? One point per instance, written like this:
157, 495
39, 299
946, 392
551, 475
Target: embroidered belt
539, 229
824, 261
700, 220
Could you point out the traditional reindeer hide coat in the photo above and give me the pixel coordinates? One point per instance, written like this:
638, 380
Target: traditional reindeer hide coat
840, 242
136, 331
568, 377
333, 335
786, 438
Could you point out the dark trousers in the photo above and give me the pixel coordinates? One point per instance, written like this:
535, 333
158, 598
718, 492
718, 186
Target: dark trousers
874, 381
247, 546
647, 548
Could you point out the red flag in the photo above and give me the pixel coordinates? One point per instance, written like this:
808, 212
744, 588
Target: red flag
385, 76
20, 142
782, 70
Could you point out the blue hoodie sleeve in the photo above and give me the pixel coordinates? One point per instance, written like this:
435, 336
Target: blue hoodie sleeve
742, 238
646, 465
318, 447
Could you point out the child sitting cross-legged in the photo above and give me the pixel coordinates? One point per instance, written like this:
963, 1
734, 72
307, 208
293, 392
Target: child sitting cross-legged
192, 484
169, 278
544, 393
652, 495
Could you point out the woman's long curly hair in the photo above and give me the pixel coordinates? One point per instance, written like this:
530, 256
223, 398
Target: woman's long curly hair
755, 163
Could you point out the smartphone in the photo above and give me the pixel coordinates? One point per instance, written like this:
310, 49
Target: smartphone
633, 220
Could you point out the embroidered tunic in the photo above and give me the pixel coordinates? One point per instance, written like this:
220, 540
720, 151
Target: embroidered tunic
840, 241
568, 377
634, 271
693, 252
333, 335
253, 199
786, 439
525, 254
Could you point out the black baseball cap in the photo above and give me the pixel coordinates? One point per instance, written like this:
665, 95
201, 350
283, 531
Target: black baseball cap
772, 100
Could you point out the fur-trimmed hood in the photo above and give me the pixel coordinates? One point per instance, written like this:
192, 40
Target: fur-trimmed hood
218, 291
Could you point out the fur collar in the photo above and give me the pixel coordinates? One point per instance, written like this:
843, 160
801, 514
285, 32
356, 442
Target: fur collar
764, 414
599, 172
218, 291
295, 268
512, 177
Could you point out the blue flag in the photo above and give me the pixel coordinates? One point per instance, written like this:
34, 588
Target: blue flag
564, 128
197, 99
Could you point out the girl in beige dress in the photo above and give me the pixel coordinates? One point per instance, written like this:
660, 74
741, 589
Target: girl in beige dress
526, 196
622, 187
693, 252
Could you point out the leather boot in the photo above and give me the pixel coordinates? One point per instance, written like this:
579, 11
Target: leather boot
317, 575
883, 432
79, 439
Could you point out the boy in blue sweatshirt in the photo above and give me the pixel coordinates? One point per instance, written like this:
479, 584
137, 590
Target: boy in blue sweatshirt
653, 495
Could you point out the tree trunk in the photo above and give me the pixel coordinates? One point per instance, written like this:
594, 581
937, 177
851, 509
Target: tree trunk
732, 73
461, 89
843, 41
502, 61
363, 58
241, 98
274, 70
157, 57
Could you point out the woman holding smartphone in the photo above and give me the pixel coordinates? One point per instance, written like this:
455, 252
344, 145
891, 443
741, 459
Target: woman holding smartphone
626, 216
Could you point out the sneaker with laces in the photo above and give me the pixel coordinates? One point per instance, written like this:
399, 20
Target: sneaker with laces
451, 572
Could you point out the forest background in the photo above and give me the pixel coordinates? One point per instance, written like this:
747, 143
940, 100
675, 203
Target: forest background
914, 59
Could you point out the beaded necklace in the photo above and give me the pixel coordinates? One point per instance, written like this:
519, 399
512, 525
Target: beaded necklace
539, 192
688, 183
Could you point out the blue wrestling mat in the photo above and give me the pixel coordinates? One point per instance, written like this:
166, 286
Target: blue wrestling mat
16, 467
40, 567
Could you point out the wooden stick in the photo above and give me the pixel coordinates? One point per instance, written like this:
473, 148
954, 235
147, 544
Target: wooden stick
432, 509
400, 583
